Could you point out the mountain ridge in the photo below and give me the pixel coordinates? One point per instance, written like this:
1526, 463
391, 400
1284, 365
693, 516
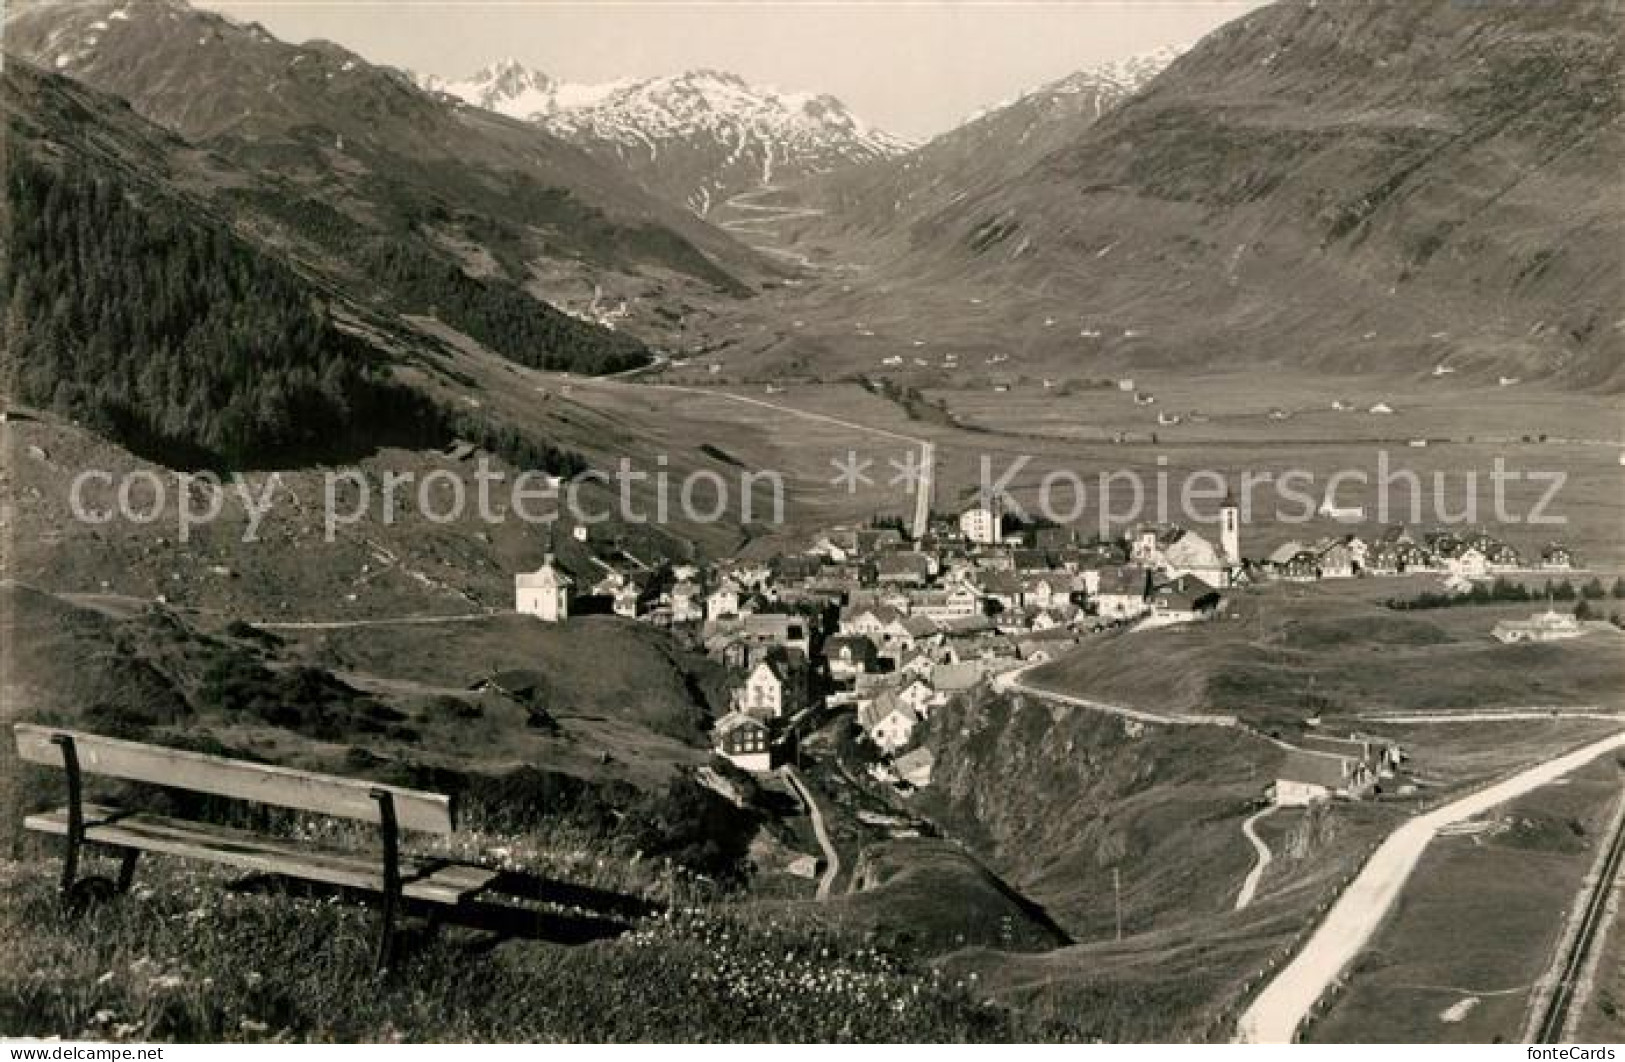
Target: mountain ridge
697, 137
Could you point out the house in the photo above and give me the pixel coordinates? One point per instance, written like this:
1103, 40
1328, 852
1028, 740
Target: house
888, 721
770, 690
686, 602
849, 655
1051, 591
1188, 553
1383, 559
1556, 557
797, 569
905, 568
982, 525
773, 628
881, 623
736, 654
1336, 561
544, 593
1548, 626
916, 662
724, 600
1183, 599
752, 576
956, 600
1122, 592
1469, 562
1302, 567
826, 548
628, 600
744, 741
874, 540
1003, 587
919, 696
1307, 777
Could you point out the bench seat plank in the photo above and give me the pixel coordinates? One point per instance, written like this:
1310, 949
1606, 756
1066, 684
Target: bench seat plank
431, 880
262, 783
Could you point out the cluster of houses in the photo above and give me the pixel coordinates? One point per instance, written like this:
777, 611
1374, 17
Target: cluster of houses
868, 621
1459, 556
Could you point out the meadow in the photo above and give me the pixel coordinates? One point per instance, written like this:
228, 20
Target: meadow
1479, 922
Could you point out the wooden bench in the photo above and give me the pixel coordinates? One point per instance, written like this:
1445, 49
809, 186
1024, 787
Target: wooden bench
130, 832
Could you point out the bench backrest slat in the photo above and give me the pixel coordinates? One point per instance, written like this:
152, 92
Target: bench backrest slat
199, 772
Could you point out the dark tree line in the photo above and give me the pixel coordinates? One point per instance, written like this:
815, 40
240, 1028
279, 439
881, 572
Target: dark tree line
176, 337
172, 335
497, 312
1504, 589
415, 277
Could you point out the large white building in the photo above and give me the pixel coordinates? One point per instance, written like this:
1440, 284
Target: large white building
982, 525
543, 593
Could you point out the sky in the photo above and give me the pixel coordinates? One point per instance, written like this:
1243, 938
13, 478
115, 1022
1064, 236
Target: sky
912, 67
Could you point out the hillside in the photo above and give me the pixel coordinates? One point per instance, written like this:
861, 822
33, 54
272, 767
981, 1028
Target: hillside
985, 152
696, 138
351, 150
1355, 187
1287, 658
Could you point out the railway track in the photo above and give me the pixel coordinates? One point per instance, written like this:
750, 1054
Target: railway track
1552, 1023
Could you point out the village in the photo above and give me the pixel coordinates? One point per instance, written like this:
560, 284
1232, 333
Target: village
868, 622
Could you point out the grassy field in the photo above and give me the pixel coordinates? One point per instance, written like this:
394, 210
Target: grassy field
1479, 923
1072, 432
184, 959
1289, 652
394, 703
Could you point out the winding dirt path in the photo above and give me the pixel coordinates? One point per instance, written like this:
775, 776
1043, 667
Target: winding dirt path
1249, 885
832, 858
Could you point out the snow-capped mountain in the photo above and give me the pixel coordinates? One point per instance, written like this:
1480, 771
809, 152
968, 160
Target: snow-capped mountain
697, 138
1095, 89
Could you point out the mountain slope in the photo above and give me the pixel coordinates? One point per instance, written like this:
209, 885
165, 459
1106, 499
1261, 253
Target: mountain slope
122, 291
1376, 186
364, 146
695, 138
986, 151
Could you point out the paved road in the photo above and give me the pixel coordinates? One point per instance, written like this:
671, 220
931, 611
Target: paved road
1014, 680
1278, 1011
1508, 715
1249, 886
832, 858
389, 621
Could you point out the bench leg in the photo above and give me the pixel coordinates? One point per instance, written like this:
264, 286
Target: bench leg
392, 876
76, 814
386, 933
126, 868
